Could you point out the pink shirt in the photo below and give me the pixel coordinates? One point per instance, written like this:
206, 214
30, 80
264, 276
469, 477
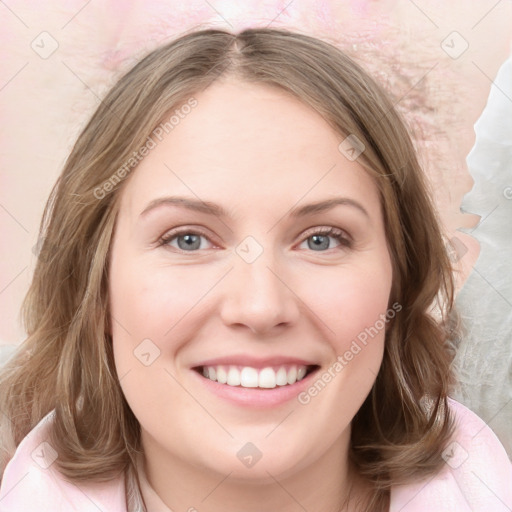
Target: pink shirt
477, 477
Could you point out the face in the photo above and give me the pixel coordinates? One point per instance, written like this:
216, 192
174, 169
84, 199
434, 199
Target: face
242, 280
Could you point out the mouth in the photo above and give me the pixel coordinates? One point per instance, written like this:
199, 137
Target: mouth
255, 382
265, 378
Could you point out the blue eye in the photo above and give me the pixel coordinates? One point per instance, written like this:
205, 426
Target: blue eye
190, 240
320, 239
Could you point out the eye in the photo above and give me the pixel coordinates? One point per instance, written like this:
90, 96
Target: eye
187, 240
318, 240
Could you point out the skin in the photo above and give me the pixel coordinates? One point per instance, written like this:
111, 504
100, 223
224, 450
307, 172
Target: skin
258, 152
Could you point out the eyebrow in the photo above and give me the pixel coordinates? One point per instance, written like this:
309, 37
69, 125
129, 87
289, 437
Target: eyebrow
210, 208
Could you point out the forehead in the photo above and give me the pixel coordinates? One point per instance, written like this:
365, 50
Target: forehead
253, 145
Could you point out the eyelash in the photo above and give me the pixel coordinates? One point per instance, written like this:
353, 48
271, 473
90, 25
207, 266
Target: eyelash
338, 234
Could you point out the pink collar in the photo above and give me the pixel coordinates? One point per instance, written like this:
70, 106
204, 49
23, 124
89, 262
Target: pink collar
477, 476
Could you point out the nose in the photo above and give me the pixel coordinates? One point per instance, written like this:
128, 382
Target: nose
259, 296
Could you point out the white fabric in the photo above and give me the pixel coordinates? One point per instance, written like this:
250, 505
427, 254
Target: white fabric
484, 358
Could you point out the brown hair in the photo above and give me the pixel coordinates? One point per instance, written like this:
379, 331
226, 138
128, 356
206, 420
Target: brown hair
66, 363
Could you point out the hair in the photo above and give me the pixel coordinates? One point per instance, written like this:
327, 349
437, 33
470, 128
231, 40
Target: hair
66, 363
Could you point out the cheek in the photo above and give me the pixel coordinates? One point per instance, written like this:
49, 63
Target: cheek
350, 301
149, 301
353, 306
147, 306
154, 309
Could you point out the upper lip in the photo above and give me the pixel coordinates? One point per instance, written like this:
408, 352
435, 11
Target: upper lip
254, 362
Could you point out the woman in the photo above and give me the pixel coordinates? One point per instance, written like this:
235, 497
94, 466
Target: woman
233, 304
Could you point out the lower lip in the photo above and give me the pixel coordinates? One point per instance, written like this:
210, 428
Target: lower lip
256, 397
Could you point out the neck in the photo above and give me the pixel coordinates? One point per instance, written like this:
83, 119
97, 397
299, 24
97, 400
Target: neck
328, 484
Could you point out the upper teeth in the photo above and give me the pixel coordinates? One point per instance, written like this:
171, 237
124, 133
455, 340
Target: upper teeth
248, 377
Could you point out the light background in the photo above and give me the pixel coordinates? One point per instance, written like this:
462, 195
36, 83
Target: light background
417, 50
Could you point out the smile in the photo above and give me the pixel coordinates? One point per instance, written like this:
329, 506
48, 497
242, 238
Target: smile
255, 388
249, 377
